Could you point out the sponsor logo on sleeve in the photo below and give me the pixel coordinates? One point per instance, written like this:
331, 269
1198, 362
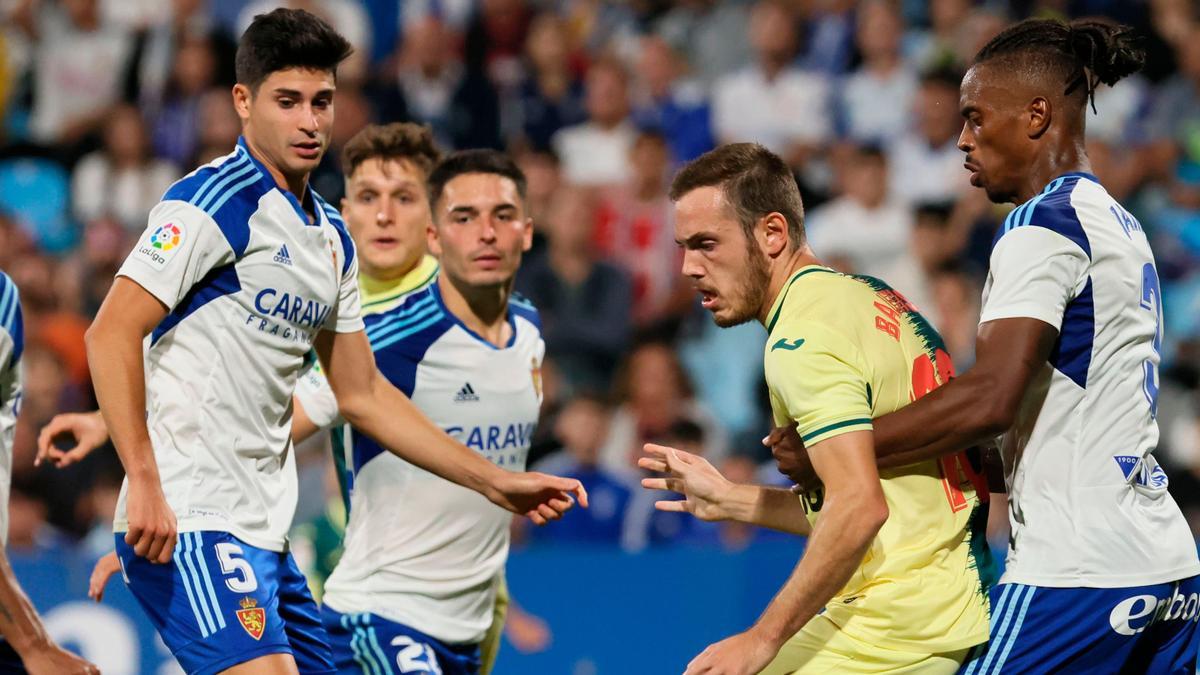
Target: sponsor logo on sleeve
161, 245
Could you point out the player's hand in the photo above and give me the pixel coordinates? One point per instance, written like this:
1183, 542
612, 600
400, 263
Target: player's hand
538, 496
54, 660
743, 654
691, 476
152, 531
528, 633
101, 573
790, 456
87, 429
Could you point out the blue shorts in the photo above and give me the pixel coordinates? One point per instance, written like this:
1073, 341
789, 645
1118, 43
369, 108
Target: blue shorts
367, 644
1036, 629
221, 602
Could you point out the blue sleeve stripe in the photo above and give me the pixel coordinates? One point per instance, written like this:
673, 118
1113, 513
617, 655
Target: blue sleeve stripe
407, 322
234, 189
387, 342
240, 164
8, 291
218, 282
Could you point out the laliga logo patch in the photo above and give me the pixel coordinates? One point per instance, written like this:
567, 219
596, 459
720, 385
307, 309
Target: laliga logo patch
252, 617
158, 249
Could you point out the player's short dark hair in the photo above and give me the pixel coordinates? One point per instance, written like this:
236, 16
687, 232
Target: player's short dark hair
473, 161
942, 76
396, 141
1082, 53
287, 38
755, 182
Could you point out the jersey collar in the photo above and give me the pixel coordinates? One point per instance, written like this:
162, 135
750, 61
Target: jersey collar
302, 206
378, 291
773, 316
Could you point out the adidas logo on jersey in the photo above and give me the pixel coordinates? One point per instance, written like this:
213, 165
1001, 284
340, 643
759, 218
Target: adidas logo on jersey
282, 256
467, 393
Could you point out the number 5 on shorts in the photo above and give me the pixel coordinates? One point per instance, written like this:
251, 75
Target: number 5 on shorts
239, 575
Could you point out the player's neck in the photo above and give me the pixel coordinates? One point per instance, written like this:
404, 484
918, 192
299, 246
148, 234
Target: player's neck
295, 184
1067, 158
483, 309
781, 272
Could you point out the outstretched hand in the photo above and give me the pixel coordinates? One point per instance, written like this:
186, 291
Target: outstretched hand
538, 496
87, 429
105, 568
692, 476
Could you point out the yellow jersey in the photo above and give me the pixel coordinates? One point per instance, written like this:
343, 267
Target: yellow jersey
379, 296
840, 351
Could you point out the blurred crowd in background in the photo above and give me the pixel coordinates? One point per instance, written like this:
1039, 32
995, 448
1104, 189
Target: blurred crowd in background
104, 103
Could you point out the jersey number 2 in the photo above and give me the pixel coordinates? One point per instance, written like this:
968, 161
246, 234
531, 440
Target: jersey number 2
1152, 300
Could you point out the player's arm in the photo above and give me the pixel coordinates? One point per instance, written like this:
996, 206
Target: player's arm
708, 495
314, 406
853, 511
375, 407
23, 629
114, 350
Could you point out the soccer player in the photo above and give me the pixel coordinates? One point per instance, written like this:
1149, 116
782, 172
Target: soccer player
25, 645
423, 557
244, 269
1102, 569
896, 570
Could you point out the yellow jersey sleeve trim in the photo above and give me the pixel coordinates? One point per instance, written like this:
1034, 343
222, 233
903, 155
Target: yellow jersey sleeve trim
836, 429
774, 317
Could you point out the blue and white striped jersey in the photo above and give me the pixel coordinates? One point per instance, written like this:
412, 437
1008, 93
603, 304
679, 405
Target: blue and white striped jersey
12, 343
420, 550
1088, 502
248, 281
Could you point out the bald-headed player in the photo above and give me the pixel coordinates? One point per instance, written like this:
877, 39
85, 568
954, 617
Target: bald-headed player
1102, 568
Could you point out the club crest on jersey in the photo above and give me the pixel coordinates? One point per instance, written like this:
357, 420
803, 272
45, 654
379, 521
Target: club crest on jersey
252, 617
160, 246
535, 373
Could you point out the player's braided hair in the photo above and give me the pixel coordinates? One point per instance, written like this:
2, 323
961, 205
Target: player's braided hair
1085, 52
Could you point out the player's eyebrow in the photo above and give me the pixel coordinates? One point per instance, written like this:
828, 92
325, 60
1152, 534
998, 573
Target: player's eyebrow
465, 209
694, 240
295, 93
967, 110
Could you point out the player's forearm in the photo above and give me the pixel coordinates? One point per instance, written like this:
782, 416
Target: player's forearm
774, 508
116, 363
19, 621
303, 427
836, 548
385, 414
958, 415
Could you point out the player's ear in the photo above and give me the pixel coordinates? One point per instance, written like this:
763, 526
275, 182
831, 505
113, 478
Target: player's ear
431, 239
1038, 111
773, 229
241, 101
527, 235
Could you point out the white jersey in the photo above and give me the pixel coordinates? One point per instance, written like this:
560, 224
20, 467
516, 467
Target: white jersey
248, 282
1088, 503
420, 550
12, 343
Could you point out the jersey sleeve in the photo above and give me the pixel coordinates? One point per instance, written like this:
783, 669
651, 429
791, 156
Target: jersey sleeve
347, 314
316, 396
12, 331
180, 246
817, 378
1034, 273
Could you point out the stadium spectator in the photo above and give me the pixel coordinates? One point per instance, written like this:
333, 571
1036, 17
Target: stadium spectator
596, 152
702, 30
883, 76
669, 100
176, 113
865, 226
79, 70
926, 164
550, 96
772, 101
122, 179
584, 302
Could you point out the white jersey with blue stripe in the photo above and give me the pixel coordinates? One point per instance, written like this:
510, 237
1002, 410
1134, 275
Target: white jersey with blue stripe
12, 344
248, 280
1089, 505
420, 550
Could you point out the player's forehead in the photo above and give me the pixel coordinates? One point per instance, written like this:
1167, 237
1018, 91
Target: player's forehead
305, 81
703, 210
480, 192
386, 174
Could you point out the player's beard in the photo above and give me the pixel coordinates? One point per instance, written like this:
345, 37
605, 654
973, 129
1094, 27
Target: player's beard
751, 289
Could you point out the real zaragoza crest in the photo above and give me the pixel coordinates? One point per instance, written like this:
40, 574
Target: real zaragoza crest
252, 617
